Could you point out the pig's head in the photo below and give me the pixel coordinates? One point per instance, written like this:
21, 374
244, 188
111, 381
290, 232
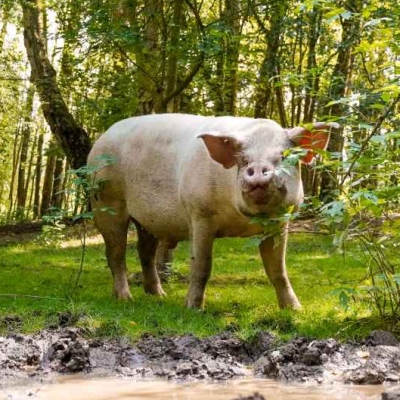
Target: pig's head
265, 182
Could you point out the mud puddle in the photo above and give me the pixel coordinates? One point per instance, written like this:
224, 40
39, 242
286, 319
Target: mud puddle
251, 389
189, 366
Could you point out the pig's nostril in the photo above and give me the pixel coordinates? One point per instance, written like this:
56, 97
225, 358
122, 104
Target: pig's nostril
250, 171
265, 171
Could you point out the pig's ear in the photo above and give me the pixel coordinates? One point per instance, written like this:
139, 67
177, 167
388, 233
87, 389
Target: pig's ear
316, 137
222, 148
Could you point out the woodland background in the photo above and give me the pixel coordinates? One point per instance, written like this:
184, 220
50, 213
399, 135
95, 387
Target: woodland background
69, 69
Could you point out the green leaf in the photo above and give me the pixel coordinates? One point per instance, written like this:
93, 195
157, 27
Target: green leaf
364, 126
376, 21
86, 215
393, 88
367, 195
254, 242
386, 96
346, 15
378, 139
393, 135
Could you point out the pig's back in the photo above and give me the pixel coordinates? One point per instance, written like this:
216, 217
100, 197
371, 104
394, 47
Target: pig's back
166, 174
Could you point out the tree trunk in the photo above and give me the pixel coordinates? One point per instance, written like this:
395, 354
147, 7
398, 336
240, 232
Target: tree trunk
339, 85
232, 22
269, 67
73, 138
280, 102
156, 57
15, 164
47, 190
57, 195
312, 81
38, 175
148, 59
30, 177
309, 175
172, 74
22, 186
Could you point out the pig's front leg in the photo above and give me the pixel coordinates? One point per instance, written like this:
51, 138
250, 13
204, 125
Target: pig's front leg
273, 254
202, 239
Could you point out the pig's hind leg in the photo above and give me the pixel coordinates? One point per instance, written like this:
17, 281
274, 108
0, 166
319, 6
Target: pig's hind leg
147, 247
113, 226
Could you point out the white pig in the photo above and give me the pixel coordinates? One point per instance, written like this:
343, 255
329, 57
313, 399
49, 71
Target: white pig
180, 177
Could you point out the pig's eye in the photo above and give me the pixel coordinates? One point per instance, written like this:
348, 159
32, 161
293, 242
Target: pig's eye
284, 155
243, 162
279, 158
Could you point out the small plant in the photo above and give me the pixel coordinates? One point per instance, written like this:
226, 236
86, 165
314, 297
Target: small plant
53, 230
84, 185
273, 225
368, 216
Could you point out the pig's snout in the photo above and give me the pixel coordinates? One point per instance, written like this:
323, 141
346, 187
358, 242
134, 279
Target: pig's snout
258, 176
257, 179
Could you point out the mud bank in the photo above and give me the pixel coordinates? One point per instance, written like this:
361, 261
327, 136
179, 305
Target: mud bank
67, 351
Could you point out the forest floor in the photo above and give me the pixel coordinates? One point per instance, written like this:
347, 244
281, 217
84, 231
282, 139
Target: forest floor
56, 318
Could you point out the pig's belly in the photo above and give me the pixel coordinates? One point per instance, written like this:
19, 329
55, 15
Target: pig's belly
162, 222
173, 222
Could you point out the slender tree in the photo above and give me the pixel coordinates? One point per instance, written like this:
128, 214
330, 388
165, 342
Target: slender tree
269, 70
339, 87
22, 183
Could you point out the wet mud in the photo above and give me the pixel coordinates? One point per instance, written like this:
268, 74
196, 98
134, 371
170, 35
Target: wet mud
48, 354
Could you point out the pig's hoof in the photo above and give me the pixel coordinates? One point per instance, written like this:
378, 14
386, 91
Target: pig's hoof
155, 290
196, 303
295, 305
123, 295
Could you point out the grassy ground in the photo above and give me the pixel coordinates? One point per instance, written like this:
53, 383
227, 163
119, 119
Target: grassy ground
37, 281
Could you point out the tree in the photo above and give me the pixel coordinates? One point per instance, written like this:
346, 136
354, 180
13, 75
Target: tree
340, 83
97, 63
157, 54
22, 188
269, 73
72, 137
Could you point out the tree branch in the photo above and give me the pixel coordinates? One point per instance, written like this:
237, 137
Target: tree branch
375, 129
144, 72
185, 82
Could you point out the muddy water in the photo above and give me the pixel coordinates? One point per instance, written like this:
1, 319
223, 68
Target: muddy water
117, 389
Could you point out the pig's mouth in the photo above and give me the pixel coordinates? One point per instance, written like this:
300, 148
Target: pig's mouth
258, 194
264, 196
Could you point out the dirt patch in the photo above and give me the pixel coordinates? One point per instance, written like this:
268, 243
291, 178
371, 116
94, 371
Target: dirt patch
375, 361
21, 228
68, 351
28, 231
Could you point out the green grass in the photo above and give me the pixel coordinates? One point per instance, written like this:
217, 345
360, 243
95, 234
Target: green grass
36, 283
